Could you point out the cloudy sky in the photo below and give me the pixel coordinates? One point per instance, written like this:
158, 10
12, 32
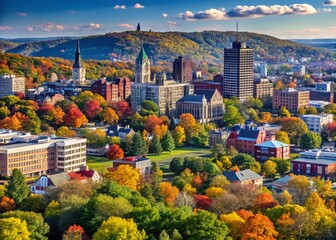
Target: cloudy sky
280, 18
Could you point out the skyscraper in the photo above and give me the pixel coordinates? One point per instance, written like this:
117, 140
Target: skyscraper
142, 74
78, 70
238, 71
182, 70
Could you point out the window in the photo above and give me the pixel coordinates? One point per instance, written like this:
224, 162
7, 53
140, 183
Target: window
319, 169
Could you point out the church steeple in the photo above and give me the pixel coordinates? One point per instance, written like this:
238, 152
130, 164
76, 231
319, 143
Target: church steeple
142, 74
77, 63
142, 56
78, 70
138, 27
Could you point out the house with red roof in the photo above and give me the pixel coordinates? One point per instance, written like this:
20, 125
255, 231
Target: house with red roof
85, 175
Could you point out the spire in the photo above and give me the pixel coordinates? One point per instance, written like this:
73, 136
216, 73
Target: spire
138, 27
77, 63
142, 56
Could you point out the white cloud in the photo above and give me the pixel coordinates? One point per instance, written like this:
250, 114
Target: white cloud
126, 26
138, 5
172, 23
5, 28
248, 12
329, 3
326, 10
119, 7
90, 26
164, 15
23, 14
46, 27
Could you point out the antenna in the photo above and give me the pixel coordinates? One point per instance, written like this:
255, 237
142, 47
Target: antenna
237, 31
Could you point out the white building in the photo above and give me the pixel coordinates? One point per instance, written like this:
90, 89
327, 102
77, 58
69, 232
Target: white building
263, 70
10, 85
316, 123
323, 86
318, 104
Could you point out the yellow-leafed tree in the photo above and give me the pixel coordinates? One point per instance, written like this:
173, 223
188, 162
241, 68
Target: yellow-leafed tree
125, 175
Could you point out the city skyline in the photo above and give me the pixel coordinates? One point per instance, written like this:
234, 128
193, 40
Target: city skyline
283, 19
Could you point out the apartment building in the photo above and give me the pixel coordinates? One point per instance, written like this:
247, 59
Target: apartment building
262, 88
290, 98
316, 123
37, 155
10, 85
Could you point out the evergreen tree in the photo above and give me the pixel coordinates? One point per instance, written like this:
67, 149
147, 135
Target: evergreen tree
176, 235
155, 146
138, 146
164, 235
17, 187
167, 142
172, 124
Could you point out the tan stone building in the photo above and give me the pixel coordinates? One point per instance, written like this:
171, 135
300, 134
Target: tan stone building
206, 106
37, 155
290, 98
262, 88
10, 85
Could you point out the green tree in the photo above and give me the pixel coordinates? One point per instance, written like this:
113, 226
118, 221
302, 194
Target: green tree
118, 228
282, 137
4, 112
35, 223
204, 225
155, 146
167, 142
311, 110
232, 116
310, 140
282, 165
13, 229
242, 158
149, 108
177, 165
218, 151
17, 187
138, 146
294, 127
283, 112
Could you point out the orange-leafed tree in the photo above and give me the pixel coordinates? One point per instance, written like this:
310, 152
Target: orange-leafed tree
264, 201
125, 175
265, 117
109, 116
245, 214
160, 131
258, 227
75, 232
169, 192
12, 123
187, 120
75, 117
115, 152
6, 204
151, 122
58, 114
92, 108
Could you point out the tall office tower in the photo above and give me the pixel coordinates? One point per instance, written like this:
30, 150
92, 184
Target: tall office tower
78, 70
182, 70
142, 74
238, 71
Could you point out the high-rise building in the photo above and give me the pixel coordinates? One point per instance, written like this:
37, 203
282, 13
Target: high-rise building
10, 85
182, 70
78, 70
238, 71
263, 69
142, 73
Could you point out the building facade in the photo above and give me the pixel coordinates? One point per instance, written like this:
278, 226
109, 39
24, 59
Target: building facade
11, 85
216, 83
262, 88
114, 91
217, 136
206, 106
244, 177
238, 71
271, 149
316, 123
142, 65
290, 98
35, 155
319, 95
182, 70
78, 69
143, 164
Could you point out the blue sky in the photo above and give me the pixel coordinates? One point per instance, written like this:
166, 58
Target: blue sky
280, 18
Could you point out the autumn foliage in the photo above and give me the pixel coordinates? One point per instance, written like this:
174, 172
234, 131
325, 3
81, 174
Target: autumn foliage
259, 227
6, 204
75, 117
75, 232
203, 201
115, 152
125, 175
169, 192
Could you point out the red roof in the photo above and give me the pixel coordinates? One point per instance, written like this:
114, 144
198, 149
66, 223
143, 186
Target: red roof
81, 174
233, 135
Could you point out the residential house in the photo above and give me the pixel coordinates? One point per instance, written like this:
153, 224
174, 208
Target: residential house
49, 181
266, 150
118, 131
85, 175
244, 177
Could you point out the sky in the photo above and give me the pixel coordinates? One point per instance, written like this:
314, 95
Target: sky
280, 18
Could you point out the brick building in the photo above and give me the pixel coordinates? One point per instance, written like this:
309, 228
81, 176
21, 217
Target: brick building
266, 150
216, 83
115, 91
290, 98
182, 70
317, 95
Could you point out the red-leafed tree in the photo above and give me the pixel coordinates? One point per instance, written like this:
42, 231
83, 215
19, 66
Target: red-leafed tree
264, 201
115, 152
74, 117
203, 201
75, 232
92, 108
123, 109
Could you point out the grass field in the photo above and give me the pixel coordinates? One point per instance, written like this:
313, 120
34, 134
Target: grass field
101, 164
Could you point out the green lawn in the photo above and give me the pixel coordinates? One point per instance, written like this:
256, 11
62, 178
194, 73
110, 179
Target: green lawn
101, 164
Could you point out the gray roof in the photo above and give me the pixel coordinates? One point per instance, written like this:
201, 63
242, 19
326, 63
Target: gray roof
248, 133
241, 176
58, 179
314, 161
272, 144
207, 93
192, 98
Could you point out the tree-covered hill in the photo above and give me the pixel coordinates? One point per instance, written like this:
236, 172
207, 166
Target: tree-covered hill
207, 45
